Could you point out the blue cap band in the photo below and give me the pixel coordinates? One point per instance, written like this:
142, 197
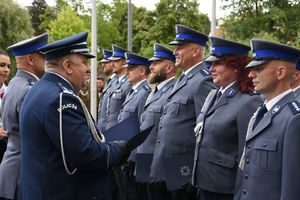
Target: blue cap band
229, 50
196, 39
138, 62
275, 54
106, 56
118, 54
28, 49
163, 54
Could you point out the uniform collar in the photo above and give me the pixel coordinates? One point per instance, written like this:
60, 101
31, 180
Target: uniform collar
162, 84
134, 87
33, 75
61, 77
190, 69
276, 99
222, 90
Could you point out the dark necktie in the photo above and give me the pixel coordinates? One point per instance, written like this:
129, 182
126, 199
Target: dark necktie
155, 90
1, 94
219, 94
181, 77
260, 115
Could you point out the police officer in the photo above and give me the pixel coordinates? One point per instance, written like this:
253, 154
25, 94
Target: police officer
108, 71
163, 75
30, 65
270, 164
121, 89
222, 124
4, 73
63, 155
137, 73
175, 131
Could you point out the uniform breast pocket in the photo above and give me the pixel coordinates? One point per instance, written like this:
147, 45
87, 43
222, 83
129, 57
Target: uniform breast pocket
155, 112
129, 110
265, 153
180, 103
117, 95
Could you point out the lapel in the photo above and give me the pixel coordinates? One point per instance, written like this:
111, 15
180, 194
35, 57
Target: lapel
160, 92
178, 85
229, 93
110, 84
117, 87
134, 93
297, 91
267, 119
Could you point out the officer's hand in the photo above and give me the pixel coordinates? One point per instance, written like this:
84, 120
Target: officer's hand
2, 133
125, 153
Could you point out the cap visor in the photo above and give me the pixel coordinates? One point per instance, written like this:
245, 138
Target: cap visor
178, 42
88, 55
155, 59
212, 59
114, 58
104, 61
255, 63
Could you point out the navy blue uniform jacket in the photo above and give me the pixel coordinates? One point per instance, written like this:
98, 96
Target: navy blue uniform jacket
43, 175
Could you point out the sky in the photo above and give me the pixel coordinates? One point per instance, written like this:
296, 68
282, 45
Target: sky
205, 5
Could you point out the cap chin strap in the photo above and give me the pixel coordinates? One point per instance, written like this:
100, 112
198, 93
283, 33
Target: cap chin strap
90, 123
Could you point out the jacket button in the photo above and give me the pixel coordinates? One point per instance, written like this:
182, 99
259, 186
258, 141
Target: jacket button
158, 141
169, 100
244, 191
219, 160
248, 146
265, 144
246, 175
247, 160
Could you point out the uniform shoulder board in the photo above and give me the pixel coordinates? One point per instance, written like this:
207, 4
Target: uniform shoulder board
31, 82
64, 89
294, 106
252, 93
147, 87
205, 72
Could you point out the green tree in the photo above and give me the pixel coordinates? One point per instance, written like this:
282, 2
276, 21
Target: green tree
278, 20
15, 25
37, 9
66, 24
172, 12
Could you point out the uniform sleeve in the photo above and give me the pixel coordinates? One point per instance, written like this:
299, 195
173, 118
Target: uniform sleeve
201, 93
81, 150
291, 162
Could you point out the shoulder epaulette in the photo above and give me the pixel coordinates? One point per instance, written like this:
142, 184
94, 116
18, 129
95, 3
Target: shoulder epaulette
252, 93
294, 106
205, 72
64, 89
31, 82
147, 87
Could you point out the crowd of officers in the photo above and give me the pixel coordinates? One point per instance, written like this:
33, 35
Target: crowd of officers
225, 129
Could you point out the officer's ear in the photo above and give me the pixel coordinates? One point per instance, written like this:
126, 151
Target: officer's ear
67, 66
29, 59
